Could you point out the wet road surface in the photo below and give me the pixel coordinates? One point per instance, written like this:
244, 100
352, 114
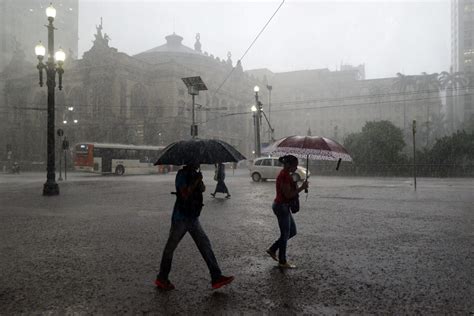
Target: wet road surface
364, 245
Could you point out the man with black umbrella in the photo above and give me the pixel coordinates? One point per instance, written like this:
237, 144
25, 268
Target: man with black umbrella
185, 218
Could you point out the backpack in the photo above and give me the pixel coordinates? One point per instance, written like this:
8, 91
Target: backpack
192, 206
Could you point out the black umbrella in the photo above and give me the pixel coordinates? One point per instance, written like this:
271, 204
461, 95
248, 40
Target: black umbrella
203, 151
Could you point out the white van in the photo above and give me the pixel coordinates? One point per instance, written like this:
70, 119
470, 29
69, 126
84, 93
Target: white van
269, 167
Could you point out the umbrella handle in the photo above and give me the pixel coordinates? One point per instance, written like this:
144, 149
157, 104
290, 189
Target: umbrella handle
307, 164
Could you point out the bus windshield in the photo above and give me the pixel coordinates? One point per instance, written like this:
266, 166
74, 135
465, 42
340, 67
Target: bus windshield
82, 149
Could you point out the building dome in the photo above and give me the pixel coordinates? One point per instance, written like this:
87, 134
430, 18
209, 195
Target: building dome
173, 45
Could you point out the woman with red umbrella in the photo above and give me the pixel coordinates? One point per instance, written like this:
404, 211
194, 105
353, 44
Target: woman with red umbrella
286, 190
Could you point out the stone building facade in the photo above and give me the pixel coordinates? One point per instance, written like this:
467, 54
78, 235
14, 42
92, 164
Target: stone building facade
109, 96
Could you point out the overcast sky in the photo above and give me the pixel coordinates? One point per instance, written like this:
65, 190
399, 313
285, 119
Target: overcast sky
387, 36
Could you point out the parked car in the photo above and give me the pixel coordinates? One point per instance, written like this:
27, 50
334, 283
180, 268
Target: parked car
269, 167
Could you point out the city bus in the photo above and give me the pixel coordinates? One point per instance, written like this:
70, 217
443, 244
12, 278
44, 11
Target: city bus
118, 159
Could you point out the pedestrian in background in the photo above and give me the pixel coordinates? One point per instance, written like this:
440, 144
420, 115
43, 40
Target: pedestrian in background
185, 218
286, 190
219, 177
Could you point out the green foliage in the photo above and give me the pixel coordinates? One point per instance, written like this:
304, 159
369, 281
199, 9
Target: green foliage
379, 142
455, 149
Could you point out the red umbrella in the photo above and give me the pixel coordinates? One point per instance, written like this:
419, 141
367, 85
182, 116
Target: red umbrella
309, 147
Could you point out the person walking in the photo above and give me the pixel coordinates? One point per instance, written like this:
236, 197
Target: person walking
219, 177
286, 190
185, 218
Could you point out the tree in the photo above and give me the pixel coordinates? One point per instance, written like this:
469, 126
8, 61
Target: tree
450, 82
428, 82
380, 142
438, 126
450, 156
468, 124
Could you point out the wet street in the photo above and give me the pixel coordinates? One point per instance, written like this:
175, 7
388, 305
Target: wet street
364, 245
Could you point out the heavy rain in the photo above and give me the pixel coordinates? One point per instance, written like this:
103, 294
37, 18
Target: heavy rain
236, 157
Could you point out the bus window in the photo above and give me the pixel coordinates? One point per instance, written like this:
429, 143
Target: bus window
121, 154
97, 152
132, 154
144, 156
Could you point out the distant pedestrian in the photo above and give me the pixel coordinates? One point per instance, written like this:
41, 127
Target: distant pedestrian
187, 208
219, 177
286, 190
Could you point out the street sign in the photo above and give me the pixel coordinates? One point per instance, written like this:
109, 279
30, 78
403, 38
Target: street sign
60, 132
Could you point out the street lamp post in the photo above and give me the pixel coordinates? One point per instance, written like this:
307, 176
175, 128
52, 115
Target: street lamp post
255, 132
270, 130
258, 117
50, 187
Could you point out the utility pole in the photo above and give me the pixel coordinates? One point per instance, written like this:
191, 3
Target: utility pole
414, 153
270, 130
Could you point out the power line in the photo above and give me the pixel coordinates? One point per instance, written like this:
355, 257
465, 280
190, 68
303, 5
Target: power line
333, 106
253, 42
360, 104
368, 96
291, 103
281, 103
295, 109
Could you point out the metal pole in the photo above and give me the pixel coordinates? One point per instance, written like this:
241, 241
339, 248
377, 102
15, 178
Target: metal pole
193, 131
51, 187
270, 132
307, 170
65, 164
259, 117
427, 124
60, 174
255, 132
270, 104
414, 154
